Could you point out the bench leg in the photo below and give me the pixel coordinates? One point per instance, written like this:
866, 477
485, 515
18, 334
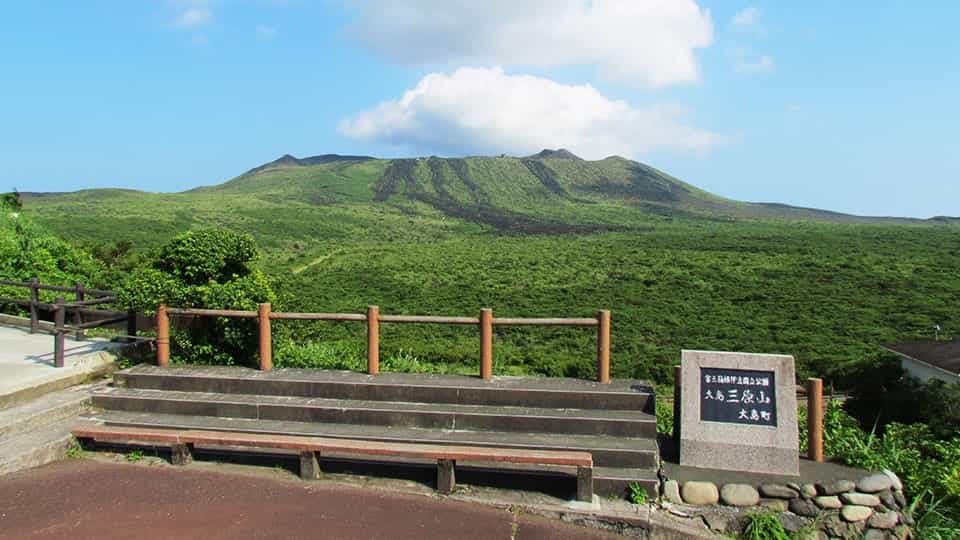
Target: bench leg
181, 454
446, 475
585, 484
309, 466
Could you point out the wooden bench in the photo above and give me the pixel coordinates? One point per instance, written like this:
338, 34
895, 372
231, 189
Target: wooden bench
182, 442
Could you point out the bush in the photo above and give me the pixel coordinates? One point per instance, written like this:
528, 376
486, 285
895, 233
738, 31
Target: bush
28, 251
205, 269
887, 395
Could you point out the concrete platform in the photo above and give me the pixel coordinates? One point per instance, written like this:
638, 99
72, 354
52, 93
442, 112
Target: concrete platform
27, 367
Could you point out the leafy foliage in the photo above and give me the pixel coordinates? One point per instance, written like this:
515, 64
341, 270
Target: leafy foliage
896, 397
205, 269
638, 495
27, 250
763, 525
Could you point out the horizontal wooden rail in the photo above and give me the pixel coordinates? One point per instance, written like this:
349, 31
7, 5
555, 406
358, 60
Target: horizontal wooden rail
485, 322
99, 323
60, 308
229, 313
93, 302
428, 319
55, 288
544, 322
319, 316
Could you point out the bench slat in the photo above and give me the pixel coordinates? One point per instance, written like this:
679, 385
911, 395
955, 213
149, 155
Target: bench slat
347, 446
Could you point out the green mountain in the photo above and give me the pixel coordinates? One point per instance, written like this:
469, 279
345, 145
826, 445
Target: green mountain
552, 235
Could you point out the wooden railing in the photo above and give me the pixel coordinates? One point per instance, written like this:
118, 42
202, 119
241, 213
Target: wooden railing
60, 308
373, 318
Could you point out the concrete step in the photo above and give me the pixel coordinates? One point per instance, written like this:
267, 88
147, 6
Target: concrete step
36, 448
622, 394
45, 410
450, 416
618, 452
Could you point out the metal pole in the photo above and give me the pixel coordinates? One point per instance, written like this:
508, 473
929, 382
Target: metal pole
373, 340
603, 347
815, 419
266, 351
486, 344
34, 300
77, 317
59, 318
163, 336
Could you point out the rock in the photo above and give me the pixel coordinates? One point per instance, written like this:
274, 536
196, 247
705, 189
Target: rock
855, 514
671, 492
836, 488
777, 491
874, 483
834, 526
803, 507
901, 533
883, 520
700, 493
718, 522
901, 500
808, 490
874, 534
860, 499
739, 495
790, 522
889, 500
896, 484
777, 505
828, 502
811, 535
793, 486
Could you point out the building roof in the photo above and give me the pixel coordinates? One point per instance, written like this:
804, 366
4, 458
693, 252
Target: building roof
942, 354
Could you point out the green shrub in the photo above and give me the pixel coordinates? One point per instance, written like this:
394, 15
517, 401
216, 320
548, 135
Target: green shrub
638, 495
205, 269
885, 394
763, 525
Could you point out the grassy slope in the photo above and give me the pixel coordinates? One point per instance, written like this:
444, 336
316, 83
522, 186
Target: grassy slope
679, 267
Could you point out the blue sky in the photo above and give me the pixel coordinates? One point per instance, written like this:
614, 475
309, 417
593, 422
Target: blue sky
849, 106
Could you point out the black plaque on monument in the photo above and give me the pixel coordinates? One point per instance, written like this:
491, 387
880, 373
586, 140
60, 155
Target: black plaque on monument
738, 396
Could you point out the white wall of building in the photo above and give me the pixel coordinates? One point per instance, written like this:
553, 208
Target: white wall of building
925, 372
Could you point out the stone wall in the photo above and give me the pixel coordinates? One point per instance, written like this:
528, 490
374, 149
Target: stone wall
872, 507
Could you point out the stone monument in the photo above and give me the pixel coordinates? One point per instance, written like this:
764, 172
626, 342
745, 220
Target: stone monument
739, 412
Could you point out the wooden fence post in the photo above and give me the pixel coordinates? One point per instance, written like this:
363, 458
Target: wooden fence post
59, 320
486, 344
266, 349
603, 347
815, 419
677, 410
77, 317
34, 307
163, 336
373, 340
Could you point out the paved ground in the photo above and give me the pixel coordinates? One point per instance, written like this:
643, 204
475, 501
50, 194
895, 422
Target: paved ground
88, 498
27, 359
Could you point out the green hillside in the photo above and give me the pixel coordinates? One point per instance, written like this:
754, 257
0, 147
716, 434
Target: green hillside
552, 234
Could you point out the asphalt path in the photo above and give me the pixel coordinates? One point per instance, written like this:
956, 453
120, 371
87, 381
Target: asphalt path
83, 498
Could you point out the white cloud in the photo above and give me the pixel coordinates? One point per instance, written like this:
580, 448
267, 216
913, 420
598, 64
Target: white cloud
746, 17
266, 32
191, 14
763, 64
485, 111
648, 43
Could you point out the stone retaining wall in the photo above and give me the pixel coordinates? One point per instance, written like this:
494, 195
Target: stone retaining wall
872, 507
